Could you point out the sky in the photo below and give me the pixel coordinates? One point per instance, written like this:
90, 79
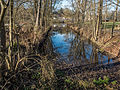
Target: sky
65, 4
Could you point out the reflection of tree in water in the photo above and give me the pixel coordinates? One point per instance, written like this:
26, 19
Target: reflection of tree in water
83, 52
94, 54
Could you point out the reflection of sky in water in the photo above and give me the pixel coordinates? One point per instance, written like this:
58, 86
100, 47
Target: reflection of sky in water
103, 58
62, 45
62, 42
88, 50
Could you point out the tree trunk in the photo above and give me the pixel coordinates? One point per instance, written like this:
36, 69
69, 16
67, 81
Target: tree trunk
94, 20
112, 28
37, 24
35, 7
38, 16
3, 40
3, 8
105, 15
11, 34
99, 18
44, 15
84, 9
114, 19
116, 13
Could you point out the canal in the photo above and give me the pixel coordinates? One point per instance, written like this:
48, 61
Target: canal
71, 48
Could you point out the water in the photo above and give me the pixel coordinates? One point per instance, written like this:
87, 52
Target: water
60, 25
74, 49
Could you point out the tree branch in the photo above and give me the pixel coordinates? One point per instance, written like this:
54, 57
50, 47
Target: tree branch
4, 4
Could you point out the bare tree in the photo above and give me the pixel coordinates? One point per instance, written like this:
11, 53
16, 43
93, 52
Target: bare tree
3, 8
99, 18
11, 34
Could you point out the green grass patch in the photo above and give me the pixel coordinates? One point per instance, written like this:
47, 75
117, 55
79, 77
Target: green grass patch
109, 24
100, 81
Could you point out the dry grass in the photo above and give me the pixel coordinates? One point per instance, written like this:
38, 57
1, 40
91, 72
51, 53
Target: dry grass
19, 75
34, 72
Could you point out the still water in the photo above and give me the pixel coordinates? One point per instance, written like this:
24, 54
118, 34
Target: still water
71, 48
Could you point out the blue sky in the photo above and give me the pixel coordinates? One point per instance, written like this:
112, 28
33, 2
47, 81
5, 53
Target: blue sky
65, 4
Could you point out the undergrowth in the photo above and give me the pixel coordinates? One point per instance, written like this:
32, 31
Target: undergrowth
41, 75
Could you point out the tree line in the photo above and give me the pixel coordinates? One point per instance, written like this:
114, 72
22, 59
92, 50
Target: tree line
96, 13
21, 15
